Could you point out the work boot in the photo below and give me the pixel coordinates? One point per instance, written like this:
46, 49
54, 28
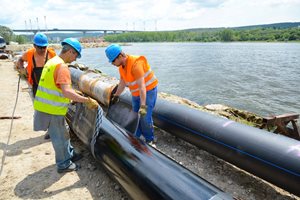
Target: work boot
72, 167
47, 136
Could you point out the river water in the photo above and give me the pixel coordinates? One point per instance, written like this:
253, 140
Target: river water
258, 77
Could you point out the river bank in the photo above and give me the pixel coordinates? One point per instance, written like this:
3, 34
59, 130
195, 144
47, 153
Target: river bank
24, 47
30, 159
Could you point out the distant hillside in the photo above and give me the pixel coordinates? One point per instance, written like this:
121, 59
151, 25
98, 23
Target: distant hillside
282, 25
267, 32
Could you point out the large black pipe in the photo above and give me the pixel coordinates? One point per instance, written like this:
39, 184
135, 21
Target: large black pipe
272, 157
143, 172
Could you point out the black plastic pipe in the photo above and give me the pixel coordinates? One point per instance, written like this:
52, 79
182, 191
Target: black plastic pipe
143, 172
274, 158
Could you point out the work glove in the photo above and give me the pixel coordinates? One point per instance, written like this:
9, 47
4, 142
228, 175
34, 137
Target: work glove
115, 99
143, 110
92, 103
79, 92
22, 72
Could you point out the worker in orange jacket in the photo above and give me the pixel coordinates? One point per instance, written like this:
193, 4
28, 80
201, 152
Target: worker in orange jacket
136, 74
36, 58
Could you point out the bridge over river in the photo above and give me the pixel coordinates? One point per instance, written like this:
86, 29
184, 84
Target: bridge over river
104, 31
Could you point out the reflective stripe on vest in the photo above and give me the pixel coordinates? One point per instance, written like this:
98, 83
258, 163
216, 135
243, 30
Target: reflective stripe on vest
51, 102
146, 84
49, 99
43, 89
128, 77
134, 82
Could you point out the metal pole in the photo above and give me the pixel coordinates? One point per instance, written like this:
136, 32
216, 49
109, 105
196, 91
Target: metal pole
45, 24
37, 24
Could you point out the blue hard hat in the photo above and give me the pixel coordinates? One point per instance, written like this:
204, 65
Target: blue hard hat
112, 51
40, 39
73, 42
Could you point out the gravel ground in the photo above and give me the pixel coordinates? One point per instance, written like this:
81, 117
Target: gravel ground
227, 177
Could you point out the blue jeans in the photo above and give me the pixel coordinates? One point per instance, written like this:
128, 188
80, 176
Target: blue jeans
145, 126
60, 139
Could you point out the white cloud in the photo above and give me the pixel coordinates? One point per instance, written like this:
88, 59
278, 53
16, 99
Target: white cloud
146, 14
239, 13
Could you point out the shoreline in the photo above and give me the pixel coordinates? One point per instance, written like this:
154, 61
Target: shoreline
24, 47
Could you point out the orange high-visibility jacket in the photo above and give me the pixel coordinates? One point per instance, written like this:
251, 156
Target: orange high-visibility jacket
30, 52
127, 75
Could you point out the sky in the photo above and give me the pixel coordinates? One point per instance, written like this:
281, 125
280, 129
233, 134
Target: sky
145, 15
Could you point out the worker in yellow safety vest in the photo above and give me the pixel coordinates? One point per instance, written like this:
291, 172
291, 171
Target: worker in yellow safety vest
51, 102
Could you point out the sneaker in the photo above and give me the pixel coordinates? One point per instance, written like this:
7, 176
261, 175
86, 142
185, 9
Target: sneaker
47, 136
76, 156
151, 143
72, 167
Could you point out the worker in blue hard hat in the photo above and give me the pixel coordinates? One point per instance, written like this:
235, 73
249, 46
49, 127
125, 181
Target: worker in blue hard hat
136, 74
51, 102
36, 58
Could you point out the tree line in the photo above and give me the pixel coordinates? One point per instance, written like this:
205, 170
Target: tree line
221, 35
8, 36
265, 34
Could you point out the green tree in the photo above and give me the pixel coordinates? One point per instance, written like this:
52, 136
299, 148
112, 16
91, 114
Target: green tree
227, 35
6, 33
20, 39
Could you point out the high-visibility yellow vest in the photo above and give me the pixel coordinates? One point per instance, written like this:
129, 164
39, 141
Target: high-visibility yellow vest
127, 75
49, 98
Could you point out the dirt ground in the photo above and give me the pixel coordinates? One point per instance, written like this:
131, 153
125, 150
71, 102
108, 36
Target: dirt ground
29, 172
